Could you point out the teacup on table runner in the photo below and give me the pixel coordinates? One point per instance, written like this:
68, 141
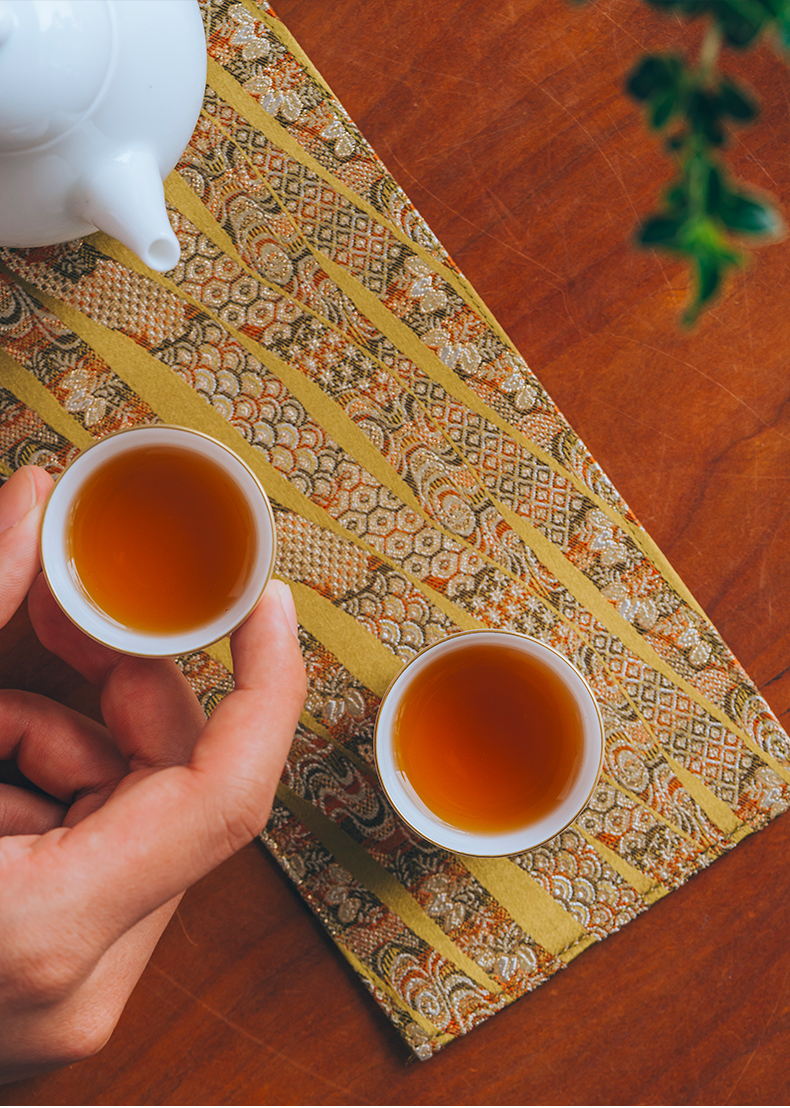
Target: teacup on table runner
422, 483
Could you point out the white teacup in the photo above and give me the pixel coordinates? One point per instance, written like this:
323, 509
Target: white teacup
61, 572
520, 835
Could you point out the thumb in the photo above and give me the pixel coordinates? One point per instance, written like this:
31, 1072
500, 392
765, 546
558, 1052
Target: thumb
22, 499
160, 833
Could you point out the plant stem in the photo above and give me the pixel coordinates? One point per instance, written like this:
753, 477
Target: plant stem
709, 50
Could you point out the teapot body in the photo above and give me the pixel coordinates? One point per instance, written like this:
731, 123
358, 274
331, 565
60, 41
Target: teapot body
98, 99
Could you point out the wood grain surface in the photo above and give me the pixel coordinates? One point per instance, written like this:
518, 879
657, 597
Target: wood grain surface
507, 125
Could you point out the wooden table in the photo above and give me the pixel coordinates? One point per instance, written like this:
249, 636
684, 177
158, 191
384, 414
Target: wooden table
507, 126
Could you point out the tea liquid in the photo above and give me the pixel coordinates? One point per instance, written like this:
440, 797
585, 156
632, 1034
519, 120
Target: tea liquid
490, 739
162, 540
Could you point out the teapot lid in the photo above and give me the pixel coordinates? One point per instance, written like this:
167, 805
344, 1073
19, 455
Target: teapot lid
55, 58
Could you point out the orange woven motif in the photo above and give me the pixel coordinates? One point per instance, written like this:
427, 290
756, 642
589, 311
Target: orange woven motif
423, 483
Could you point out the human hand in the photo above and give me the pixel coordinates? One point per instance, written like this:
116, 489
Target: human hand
140, 808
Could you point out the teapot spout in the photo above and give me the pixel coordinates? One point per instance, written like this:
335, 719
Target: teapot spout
126, 199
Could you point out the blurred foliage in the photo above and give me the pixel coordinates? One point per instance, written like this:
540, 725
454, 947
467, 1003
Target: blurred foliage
706, 216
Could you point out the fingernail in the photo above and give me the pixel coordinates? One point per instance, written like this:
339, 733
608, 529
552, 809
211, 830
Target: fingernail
285, 596
17, 497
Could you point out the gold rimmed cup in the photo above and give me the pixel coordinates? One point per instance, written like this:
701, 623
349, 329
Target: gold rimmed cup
111, 455
459, 829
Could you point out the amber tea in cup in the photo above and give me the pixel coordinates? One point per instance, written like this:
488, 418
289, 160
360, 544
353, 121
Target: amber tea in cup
161, 539
489, 743
158, 540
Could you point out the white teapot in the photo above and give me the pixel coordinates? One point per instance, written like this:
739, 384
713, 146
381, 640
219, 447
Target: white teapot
98, 99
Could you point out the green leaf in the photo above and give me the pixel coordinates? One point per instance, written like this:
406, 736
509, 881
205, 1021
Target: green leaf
783, 29
741, 20
686, 7
662, 108
659, 231
677, 199
736, 102
739, 32
715, 191
709, 278
654, 74
703, 114
747, 214
694, 105
775, 7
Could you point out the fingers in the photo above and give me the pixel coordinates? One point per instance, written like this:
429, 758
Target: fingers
165, 831
65, 754
23, 812
270, 687
22, 498
147, 703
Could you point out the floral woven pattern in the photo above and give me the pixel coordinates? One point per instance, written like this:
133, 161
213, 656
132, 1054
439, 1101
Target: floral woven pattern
423, 483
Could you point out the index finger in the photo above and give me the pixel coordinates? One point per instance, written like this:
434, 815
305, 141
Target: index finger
147, 704
22, 499
157, 837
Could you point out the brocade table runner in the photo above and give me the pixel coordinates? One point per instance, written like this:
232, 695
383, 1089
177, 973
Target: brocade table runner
423, 483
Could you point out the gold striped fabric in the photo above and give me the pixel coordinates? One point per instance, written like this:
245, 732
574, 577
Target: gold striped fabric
423, 483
